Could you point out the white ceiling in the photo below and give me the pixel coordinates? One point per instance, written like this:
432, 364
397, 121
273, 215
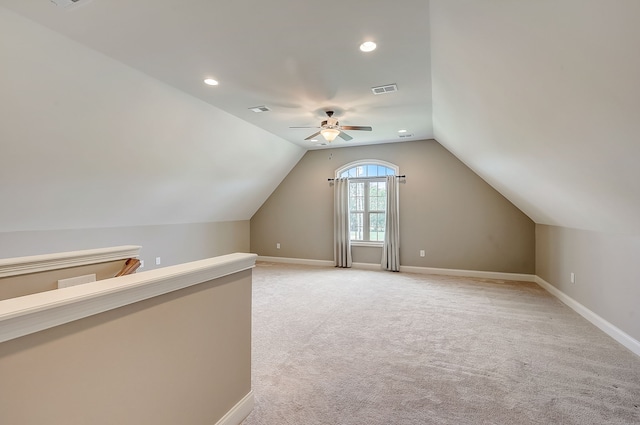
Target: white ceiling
298, 58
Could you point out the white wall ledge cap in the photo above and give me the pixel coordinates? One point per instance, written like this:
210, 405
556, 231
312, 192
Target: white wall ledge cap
61, 260
32, 313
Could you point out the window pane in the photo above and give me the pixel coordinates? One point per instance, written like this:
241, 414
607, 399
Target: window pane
390, 172
372, 170
382, 203
356, 196
373, 203
377, 196
376, 226
353, 189
352, 172
356, 226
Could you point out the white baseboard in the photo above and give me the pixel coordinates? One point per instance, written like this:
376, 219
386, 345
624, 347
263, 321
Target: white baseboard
322, 263
301, 261
239, 412
470, 273
366, 266
408, 269
611, 330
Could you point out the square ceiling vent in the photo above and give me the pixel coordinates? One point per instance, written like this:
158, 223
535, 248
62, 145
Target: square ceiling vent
389, 88
259, 109
65, 3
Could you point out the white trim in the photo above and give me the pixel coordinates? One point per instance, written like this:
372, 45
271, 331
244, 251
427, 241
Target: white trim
608, 328
470, 273
32, 313
301, 261
62, 260
239, 412
408, 269
369, 244
366, 266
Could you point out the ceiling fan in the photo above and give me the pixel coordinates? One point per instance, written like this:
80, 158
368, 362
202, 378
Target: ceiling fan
331, 128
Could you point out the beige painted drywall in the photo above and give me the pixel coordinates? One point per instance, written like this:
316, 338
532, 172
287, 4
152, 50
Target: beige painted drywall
180, 358
606, 268
17, 286
445, 209
173, 243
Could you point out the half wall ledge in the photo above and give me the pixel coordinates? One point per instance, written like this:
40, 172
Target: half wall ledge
32, 313
60, 260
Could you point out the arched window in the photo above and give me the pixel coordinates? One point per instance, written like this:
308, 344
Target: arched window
367, 198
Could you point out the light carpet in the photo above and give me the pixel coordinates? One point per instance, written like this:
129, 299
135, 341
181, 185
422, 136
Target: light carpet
347, 346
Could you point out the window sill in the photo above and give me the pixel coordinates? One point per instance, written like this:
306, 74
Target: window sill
369, 244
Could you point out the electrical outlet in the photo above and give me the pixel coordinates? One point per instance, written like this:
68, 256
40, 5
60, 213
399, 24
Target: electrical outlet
158, 261
278, 245
422, 252
573, 277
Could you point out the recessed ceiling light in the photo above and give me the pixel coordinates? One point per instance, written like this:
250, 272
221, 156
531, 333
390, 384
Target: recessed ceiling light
402, 131
313, 140
368, 46
211, 82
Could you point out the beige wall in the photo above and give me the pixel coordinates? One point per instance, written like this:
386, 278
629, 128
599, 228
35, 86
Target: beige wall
606, 267
25, 284
180, 358
173, 243
446, 209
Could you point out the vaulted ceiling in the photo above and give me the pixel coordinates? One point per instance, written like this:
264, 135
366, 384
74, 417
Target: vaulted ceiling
539, 98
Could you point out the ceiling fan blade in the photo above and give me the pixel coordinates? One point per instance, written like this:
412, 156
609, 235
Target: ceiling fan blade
312, 136
345, 136
355, 127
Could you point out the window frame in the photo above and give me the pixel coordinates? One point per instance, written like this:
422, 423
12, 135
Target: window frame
367, 180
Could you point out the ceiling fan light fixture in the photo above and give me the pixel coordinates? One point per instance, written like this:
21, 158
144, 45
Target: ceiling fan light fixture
329, 134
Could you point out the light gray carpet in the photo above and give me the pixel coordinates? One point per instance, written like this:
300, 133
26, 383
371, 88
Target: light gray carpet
344, 346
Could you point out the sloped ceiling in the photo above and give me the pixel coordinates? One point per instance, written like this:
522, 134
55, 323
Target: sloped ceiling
298, 58
87, 142
541, 99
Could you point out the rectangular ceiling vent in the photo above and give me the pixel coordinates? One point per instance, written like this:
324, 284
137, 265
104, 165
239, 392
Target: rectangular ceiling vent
65, 3
389, 88
258, 109
405, 135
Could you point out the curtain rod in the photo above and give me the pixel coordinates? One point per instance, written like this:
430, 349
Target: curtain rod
373, 177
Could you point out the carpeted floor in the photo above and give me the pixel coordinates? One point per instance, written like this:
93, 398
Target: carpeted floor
345, 346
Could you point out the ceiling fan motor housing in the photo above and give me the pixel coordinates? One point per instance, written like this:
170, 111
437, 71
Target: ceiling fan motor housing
330, 123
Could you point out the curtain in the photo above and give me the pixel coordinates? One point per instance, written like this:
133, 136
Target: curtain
391, 248
341, 243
